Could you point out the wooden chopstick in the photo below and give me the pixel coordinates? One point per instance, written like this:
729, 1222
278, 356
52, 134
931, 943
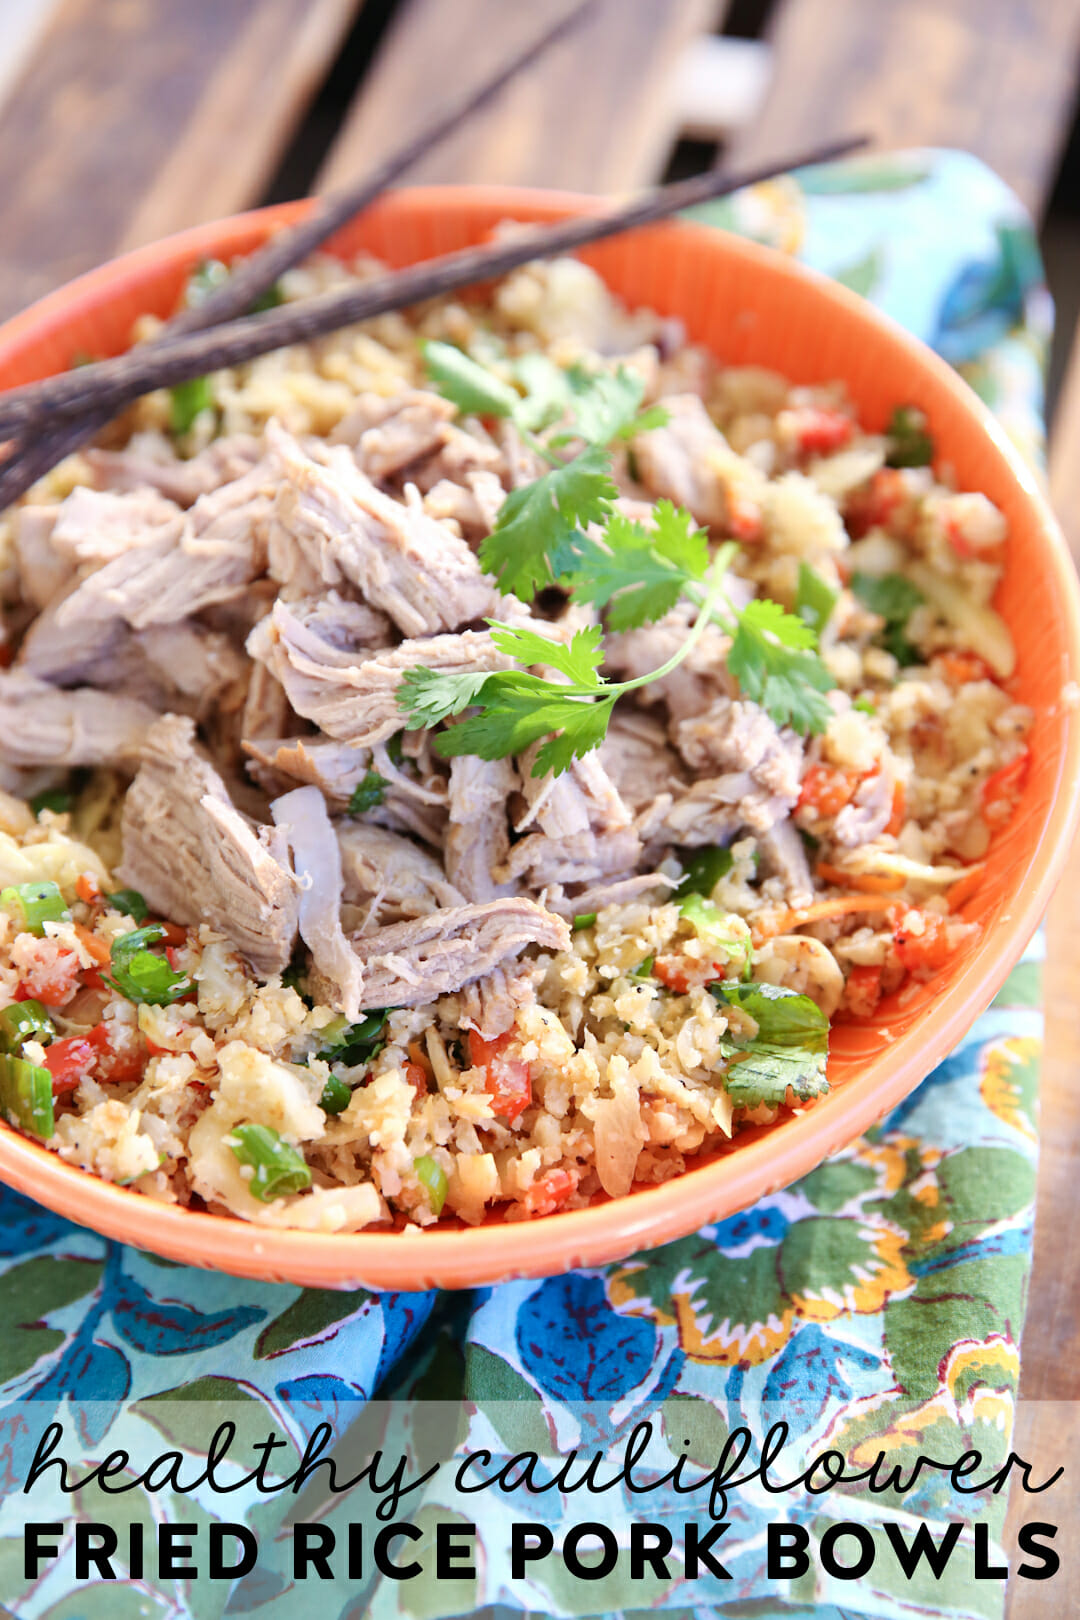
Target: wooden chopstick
259, 271
111, 384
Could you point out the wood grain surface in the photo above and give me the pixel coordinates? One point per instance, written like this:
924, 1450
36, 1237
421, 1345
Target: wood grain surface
1048, 1427
133, 118
595, 115
997, 77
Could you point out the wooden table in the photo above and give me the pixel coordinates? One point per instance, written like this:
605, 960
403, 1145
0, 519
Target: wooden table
133, 118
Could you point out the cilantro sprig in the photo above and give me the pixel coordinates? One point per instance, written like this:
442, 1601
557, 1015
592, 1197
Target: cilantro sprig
790, 1049
563, 527
639, 574
517, 708
538, 531
540, 526
773, 657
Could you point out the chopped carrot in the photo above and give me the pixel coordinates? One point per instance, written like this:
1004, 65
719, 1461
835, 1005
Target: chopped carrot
743, 517
683, 973
925, 951
88, 888
417, 1077
872, 507
94, 947
863, 990
840, 905
508, 1081
899, 810
963, 889
864, 882
826, 789
1004, 786
960, 668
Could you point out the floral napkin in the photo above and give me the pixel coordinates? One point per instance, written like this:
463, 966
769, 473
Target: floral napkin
875, 1307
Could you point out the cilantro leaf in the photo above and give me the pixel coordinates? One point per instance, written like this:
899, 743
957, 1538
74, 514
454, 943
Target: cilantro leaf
895, 599
815, 600
909, 443
772, 659
472, 387
547, 392
518, 710
604, 405
726, 935
579, 660
703, 869
639, 574
428, 695
533, 541
890, 595
369, 792
790, 1048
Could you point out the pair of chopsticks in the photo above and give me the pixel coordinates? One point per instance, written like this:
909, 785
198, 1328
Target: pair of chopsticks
49, 419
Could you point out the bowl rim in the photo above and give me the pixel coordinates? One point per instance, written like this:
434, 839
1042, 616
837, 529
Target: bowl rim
610, 1230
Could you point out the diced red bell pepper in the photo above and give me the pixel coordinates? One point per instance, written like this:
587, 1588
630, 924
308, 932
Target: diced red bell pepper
550, 1192
52, 977
826, 789
684, 973
115, 1067
508, 1080
69, 1061
819, 431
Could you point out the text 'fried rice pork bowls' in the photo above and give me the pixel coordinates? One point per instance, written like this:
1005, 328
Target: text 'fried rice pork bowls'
464, 764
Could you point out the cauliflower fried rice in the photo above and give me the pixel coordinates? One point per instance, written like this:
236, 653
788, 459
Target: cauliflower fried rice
388, 987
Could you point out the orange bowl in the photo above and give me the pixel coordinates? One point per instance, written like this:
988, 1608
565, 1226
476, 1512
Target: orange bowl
746, 304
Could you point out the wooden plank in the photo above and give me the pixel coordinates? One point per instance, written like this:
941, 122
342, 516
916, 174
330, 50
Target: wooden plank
1054, 1313
1048, 1429
21, 23
1046, 1435
720, 85
595, 114
136, 117
241, 126
998, 80
1065, 453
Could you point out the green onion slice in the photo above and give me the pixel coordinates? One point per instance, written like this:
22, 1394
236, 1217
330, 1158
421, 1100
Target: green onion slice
24, 1021
188, 400
26, 1096
432, 1177
33, 905
335, 1097
279, 1169
353, 1044
55, 799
